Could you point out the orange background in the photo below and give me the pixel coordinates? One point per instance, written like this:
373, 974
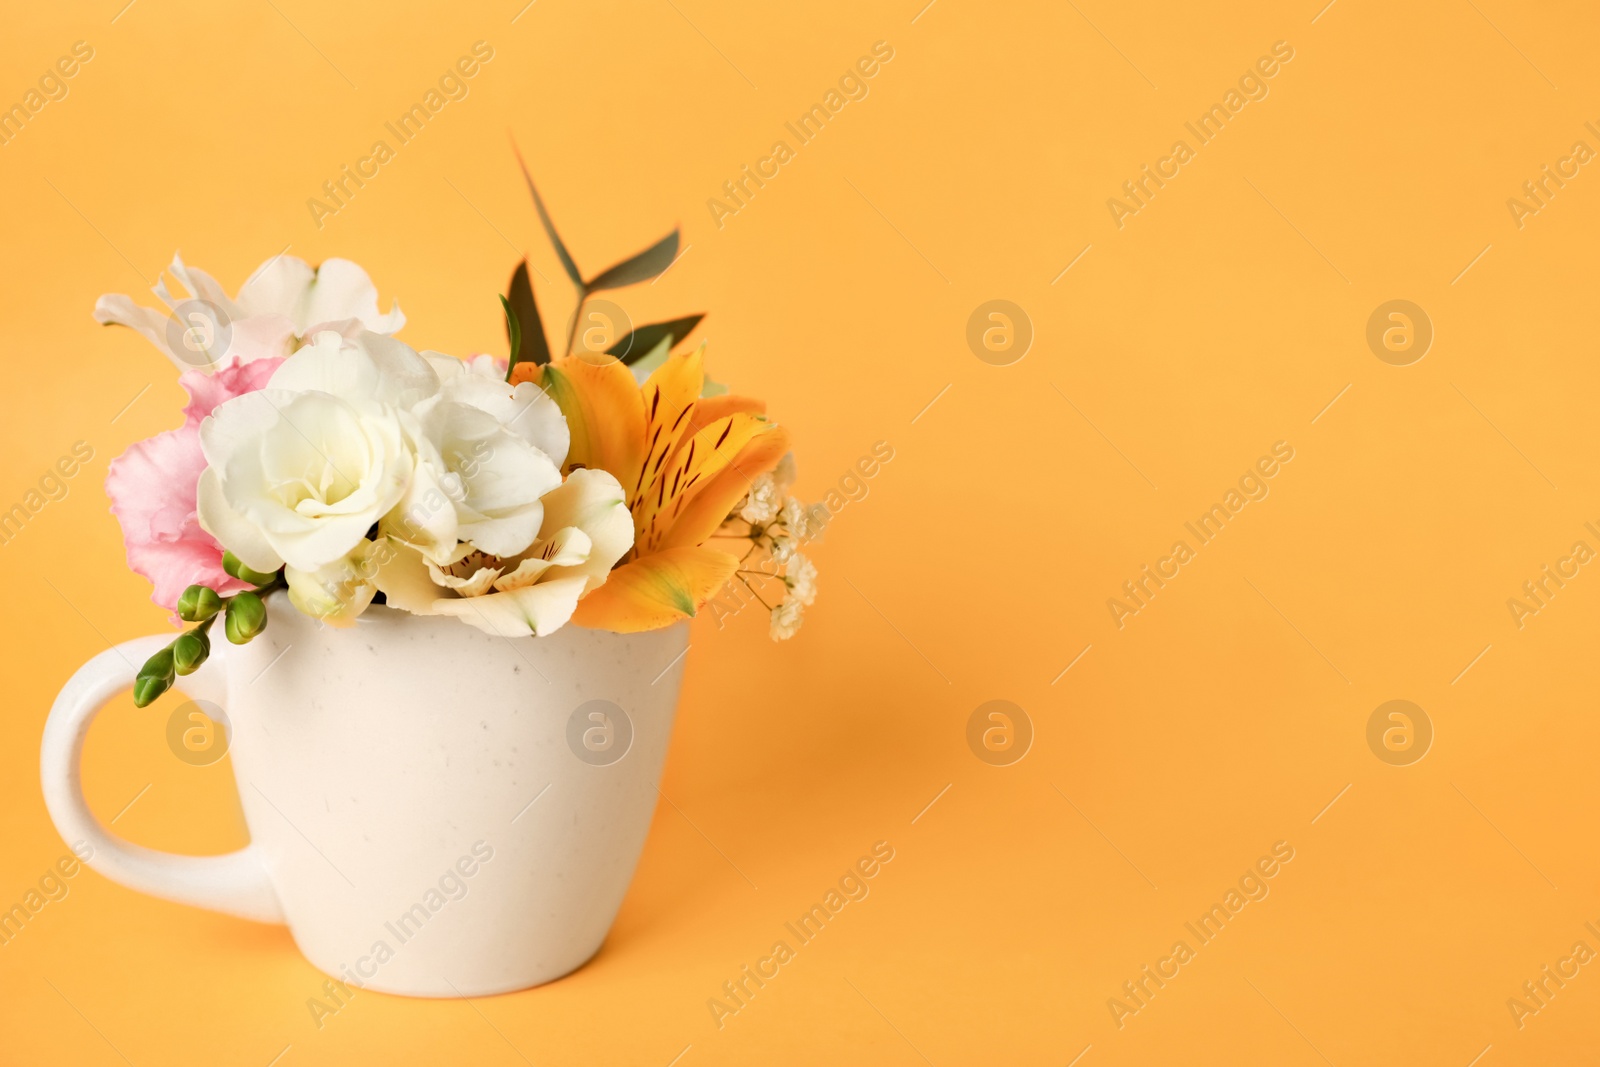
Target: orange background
1223, 317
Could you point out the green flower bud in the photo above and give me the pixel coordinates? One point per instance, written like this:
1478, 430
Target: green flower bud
233, 566
154, 678
246, 617
190, 650
198, 603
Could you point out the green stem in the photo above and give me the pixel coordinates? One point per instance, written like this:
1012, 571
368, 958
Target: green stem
577, 314
755, 594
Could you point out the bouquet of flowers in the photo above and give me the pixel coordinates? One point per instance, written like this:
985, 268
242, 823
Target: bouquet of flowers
322, 457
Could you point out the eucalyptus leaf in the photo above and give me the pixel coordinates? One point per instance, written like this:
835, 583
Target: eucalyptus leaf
637, 344
646, 365
640, 268
550, 229
523, 324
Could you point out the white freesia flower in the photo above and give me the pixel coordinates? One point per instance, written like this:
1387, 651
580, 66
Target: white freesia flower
334, 293
300, 471
283, 302
586, 529
340, 590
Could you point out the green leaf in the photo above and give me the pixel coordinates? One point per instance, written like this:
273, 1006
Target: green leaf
640, 268
522, 316
638, 344
550, 228
513, 334
646, 365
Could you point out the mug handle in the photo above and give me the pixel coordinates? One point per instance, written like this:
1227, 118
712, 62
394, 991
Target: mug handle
235, 883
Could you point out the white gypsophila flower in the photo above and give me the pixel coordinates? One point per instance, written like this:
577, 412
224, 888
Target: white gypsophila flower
817, 517
298, 472
784, 472
283, 303
800, 576
761, 506
785, 621
783, 548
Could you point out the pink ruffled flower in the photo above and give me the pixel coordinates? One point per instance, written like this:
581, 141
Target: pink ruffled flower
153, 486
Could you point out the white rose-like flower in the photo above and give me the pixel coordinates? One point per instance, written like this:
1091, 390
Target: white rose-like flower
487, 452
476, 481
524, 409
368, 368
300, 471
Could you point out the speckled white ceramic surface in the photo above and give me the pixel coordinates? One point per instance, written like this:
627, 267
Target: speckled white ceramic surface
433, 811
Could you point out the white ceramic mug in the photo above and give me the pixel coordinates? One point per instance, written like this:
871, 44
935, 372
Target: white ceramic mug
433, 811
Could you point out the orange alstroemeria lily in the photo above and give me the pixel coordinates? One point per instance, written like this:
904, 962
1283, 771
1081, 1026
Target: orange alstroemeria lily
684, 461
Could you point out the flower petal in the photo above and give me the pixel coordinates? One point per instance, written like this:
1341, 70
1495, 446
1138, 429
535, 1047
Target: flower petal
337, 292
277, 287
425, 518
568, 548
200, 286
657, 590
342, 290
369, 367
260, 337
116, 309
591, 501
403, 578
152, 488
711, 408
524, 409
691, 470
206, 391
475, 584
242, 537
669, 396
702, 515
533, 610
605, 413
339, 592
